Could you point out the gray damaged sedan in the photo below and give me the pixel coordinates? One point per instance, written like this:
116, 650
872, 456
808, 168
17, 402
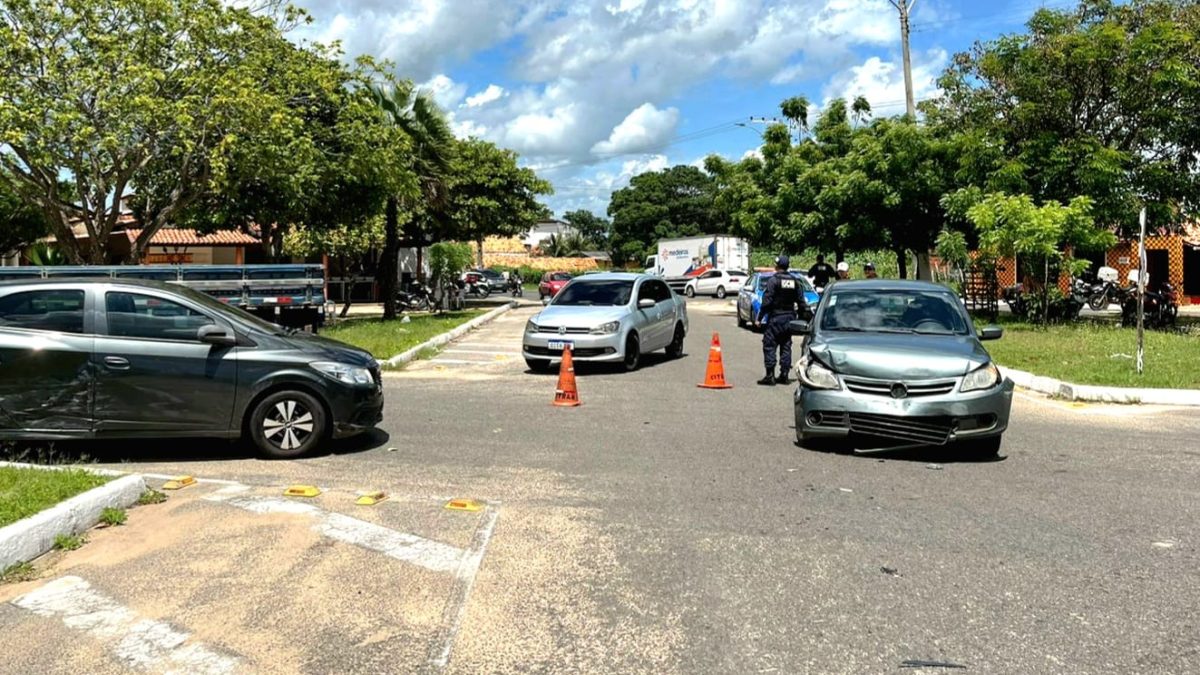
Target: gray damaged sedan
607, 318
895, 364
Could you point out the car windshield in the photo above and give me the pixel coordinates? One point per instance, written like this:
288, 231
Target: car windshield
595, 292
560, 276
893, 311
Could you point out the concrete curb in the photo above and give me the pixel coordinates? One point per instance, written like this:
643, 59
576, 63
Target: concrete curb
439, 340
30, 537
1094, 394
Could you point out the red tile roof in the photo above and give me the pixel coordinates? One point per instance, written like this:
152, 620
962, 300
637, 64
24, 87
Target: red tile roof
169, 236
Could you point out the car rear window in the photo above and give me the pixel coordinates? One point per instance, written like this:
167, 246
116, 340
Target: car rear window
59, 310
560, 276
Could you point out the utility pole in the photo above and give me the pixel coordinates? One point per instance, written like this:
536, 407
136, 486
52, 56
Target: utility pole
905, 7
1141, 291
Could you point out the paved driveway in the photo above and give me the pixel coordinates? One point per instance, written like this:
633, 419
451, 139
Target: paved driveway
660, 528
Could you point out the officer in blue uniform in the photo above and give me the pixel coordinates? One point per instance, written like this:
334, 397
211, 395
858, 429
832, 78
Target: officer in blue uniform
782, 300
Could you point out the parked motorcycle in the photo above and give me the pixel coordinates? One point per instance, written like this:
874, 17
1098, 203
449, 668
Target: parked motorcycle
1014, 297
1160, 307
418, 298
515, 287
476, 285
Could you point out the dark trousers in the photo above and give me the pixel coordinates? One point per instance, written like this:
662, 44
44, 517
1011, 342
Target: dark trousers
777, 336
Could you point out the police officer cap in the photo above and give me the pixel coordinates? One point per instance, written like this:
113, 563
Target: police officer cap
869, 266
783, 261
843, 266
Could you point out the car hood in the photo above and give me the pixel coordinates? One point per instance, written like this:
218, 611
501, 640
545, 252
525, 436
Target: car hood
899, 356
324, 349
579, 317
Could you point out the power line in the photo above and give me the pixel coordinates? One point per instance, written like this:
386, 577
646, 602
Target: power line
697, 135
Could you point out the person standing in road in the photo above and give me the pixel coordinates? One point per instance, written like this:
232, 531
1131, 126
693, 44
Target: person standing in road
781, 303
820, 273
869, 271
843, 271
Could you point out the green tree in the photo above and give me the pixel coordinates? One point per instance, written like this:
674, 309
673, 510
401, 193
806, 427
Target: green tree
155, 97
592, 228
674, 202
20, 223
860, 110
447, 260
490, 195
1098, 101
350, 245
1049, 234
423, 210
569, 245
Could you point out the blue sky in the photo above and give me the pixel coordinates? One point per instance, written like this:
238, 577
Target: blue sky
591, 92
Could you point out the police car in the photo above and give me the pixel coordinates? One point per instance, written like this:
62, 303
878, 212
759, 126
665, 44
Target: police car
749, 300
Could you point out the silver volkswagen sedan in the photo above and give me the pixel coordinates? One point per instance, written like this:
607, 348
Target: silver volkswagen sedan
611, 318
899, 363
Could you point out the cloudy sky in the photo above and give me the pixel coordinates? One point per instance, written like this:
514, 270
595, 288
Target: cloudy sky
591, 92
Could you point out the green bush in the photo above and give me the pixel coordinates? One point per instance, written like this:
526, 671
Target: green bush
113, 517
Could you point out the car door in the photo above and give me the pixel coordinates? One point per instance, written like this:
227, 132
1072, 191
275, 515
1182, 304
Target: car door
745, 296
707, 283
152, 371
665, 314
45, 360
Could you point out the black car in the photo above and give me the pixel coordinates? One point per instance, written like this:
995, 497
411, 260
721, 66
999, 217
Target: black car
105, 358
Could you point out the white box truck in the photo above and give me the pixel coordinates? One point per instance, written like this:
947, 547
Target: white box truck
678, 260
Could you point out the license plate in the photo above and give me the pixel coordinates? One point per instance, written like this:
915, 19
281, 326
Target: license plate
559, 345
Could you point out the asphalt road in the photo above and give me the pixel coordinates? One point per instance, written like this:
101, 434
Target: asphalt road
664, 528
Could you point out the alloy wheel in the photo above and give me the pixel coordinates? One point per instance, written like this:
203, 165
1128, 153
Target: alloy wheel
288, 424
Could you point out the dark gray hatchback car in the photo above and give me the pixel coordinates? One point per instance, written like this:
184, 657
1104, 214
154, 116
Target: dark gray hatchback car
92, 358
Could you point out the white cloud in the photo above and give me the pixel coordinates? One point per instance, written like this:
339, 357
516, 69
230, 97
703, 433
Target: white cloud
642, 129
882, 82
492, 93
444, 90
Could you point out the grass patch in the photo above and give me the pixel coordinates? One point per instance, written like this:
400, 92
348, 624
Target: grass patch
24, 492
111, 517
385, 339
151, 497
68, 542
1099, 353
18, 573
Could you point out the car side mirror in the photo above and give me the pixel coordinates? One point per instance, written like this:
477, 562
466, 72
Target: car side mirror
646, 303
798, 327
215, 335
991, 333
546, 300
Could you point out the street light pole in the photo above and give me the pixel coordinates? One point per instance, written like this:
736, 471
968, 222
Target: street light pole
1141, 290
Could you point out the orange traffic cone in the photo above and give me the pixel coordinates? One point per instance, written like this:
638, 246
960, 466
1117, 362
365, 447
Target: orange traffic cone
566, 395
714, 375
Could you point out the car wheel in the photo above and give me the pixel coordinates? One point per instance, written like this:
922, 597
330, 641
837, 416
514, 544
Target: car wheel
538, 365
985, 448
675, 349
689, 291
720, 292
288, 424
741, 322
633, 353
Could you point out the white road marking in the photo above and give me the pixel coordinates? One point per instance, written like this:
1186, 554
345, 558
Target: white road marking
144, 644
410, 548
456, 608
482, 351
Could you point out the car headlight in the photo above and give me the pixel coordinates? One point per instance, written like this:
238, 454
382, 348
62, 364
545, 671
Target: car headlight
816, 376
344, 372
531, 327
984, 377
606, 328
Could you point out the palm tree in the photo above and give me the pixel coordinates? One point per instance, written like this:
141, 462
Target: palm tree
569, 245
860, 110
417, 117
795, 109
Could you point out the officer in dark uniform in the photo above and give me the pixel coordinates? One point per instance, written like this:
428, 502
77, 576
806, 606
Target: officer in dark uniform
782, 299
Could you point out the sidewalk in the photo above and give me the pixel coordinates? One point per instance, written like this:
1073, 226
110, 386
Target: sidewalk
375, 309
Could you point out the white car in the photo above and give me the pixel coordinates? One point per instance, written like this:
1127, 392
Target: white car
716, 282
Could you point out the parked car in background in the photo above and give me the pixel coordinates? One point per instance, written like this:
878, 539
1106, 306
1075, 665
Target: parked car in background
899, 363
717, 283
612, 317
552, 283
495, 280
750, 295
123, 358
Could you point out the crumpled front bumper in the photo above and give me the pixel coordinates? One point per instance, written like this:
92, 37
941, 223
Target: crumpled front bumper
925, 420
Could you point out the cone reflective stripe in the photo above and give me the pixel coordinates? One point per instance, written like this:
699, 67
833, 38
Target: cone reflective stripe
714, 373
566, 395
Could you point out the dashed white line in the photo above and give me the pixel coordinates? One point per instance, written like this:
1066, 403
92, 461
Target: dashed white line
456, 608
144, 644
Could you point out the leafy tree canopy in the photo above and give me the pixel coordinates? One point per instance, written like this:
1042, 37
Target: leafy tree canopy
674, 202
